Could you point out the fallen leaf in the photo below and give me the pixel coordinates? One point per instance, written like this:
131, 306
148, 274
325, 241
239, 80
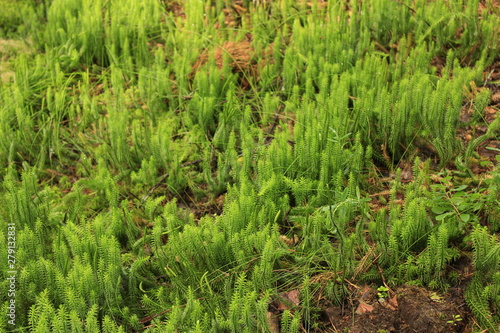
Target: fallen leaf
394, 301
290, 241
496, 98
391, 305
407, 174
490, 110
289, 298
363, 308
293, 296
239, 8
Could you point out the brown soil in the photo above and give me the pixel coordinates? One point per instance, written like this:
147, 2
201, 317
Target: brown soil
203, 207
407, 309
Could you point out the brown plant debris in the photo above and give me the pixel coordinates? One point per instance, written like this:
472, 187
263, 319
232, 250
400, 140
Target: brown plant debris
239, 55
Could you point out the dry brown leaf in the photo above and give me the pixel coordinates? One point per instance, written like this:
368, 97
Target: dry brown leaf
239, 8
290, 241
394, 301
490, 110
391, 305
363, 308
407, 174
496, 98
289, 298
293, 296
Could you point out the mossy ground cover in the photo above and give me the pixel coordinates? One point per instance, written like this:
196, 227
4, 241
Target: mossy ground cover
250, 166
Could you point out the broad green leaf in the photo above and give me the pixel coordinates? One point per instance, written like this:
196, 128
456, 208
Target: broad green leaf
457, 200
460, 188
465, 217
439, 209
442, 216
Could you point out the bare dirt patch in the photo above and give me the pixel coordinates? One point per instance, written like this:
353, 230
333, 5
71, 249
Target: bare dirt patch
404, 310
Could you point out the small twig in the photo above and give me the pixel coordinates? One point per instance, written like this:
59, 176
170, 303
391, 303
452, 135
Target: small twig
488, 78
383, 278
151, 190
191, 163
273, 127
352, 284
